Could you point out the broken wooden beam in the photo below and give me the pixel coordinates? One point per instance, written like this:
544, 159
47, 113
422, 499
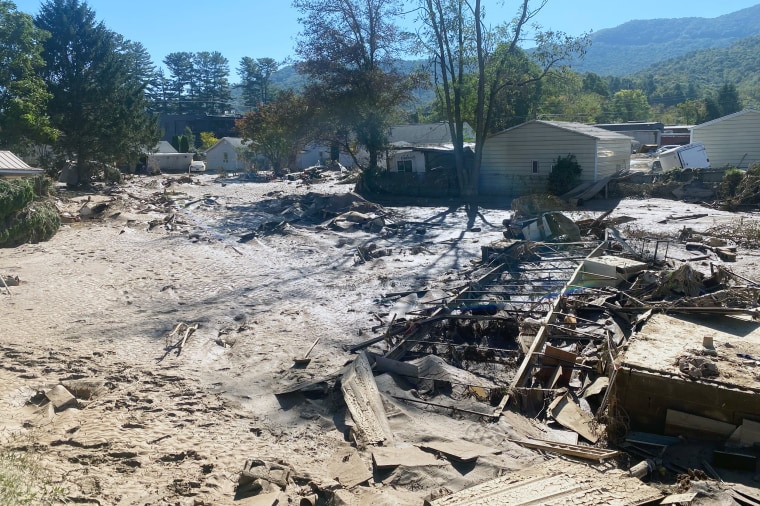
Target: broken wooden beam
585, 452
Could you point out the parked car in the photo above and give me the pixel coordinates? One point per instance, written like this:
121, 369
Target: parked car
197, 166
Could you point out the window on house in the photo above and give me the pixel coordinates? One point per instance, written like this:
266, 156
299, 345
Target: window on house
534, 166
404, 166
226, 157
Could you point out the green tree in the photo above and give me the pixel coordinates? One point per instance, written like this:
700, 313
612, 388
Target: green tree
181, 85
349, 49
23, 94
212, 71
97, 81
462, 46
279, 129
627, 105
728, 99
255, 77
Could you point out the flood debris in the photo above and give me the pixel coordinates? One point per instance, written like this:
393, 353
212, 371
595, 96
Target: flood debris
559, 322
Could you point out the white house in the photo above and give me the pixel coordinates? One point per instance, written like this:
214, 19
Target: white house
732, 140
318, 154
225, 155
518, 161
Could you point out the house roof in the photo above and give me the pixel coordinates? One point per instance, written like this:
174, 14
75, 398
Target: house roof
235, 142
11, 165
578, 128
724, 118
424, 133
164, 147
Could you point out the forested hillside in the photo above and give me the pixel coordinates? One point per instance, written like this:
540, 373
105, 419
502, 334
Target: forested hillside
737, 64
636, 45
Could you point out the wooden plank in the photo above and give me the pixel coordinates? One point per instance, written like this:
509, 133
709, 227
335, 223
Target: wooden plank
461, 451
680, 498
385, 458
568, 414
586, 452
680, 423
364, 402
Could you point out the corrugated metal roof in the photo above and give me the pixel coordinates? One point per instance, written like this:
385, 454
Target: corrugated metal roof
724, 118
588, 130
10, 161
579, 128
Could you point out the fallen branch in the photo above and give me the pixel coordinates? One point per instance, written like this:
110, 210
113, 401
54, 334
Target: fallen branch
5, 285
188, 331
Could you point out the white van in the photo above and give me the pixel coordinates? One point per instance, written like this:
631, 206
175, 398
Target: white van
197, 166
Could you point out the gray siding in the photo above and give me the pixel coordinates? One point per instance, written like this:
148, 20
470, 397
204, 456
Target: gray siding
507, 165
733, 140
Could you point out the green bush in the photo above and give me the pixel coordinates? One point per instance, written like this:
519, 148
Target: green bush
732, 178
112, 175
754, 169
37, 222
43, 186
565, 175
14, 196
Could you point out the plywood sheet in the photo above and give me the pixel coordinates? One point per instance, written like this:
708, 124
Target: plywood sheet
462, 451
568, 414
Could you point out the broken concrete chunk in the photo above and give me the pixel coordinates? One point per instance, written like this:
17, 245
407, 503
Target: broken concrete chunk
348, 469
61, 398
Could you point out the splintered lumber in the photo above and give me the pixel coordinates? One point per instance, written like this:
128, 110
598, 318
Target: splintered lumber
585, 452
461, 451
364, 403
385, 458
555, 482
523, 373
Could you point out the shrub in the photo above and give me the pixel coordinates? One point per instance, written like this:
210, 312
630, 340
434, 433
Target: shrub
112, 175
14, 196
37, 222
730, 183
565, 175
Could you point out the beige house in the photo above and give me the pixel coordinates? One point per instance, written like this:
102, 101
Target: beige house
225, 155
518, 161
732, 140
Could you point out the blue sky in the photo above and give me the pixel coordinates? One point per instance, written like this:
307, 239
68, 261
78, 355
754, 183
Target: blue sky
268, 28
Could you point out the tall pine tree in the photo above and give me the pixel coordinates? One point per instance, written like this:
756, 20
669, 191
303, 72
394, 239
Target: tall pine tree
97, 81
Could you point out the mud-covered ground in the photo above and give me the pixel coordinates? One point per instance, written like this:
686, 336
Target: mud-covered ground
263, 272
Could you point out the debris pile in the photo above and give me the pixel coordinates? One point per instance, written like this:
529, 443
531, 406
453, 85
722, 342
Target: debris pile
542, 327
